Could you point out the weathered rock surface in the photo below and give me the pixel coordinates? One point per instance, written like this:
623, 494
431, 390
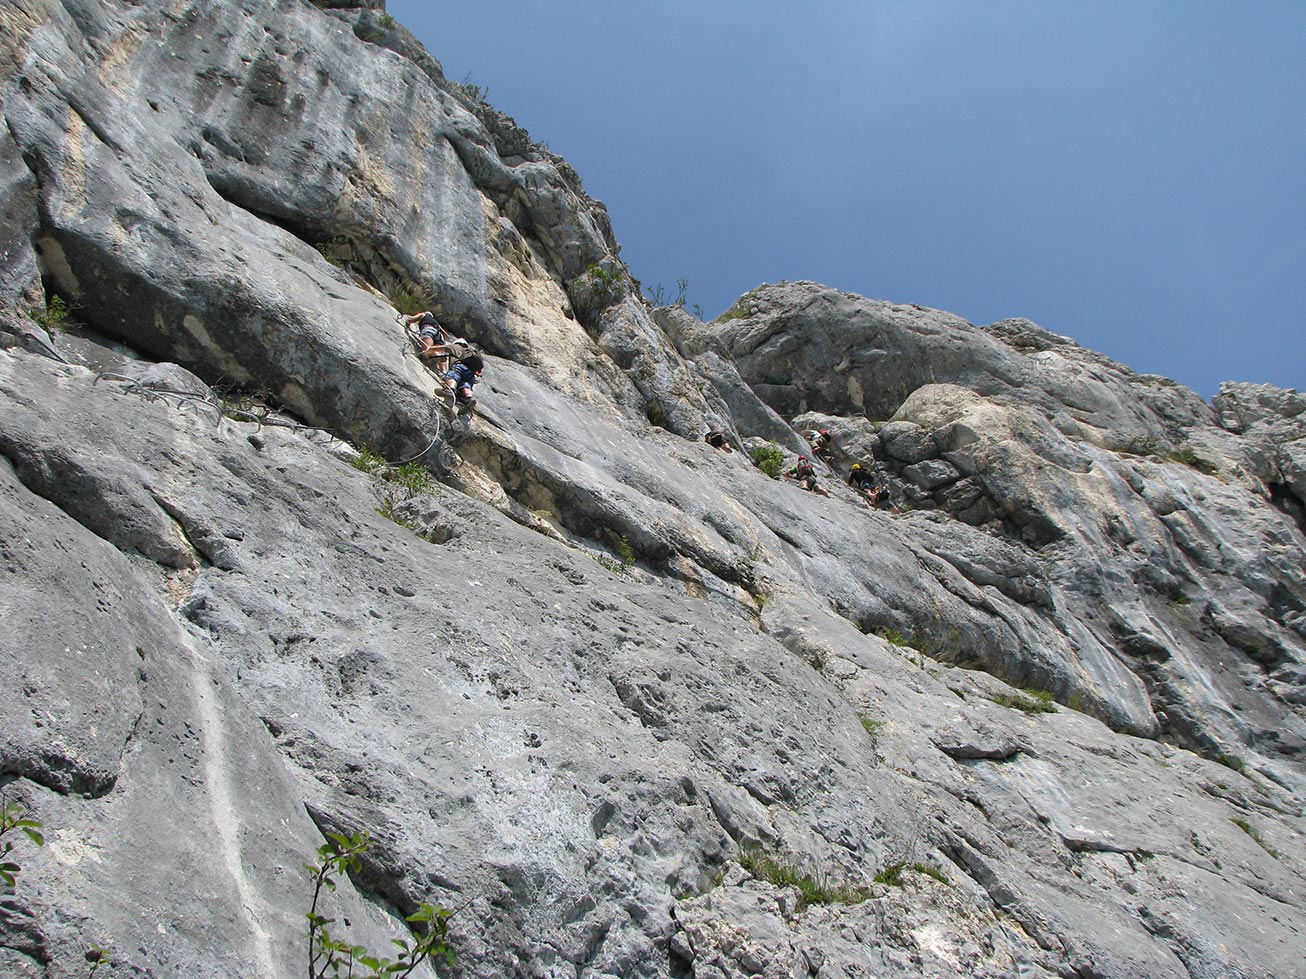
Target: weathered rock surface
222, 640
1120, 487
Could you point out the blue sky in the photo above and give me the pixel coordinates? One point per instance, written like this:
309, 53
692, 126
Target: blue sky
1132, 175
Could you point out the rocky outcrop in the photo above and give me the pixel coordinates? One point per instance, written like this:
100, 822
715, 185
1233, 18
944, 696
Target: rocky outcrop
631, 706
1116, 487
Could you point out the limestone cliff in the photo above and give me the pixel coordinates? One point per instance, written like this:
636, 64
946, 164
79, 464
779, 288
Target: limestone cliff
611, 693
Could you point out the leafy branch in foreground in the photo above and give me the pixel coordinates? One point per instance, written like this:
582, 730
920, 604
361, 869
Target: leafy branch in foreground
341, 855
12, 818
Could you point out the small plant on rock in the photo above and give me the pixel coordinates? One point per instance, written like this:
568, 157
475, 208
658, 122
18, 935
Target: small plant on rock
54, 317
744, 307
477, 93
1029, 701
13, 818
391, 499
784, 871
894, 637
1187, 455
368, 461
893, 873
1254, 833
659, 295
394, 485
872, 727
625, 552
657, 415
407, 297
1234, 762
413, 477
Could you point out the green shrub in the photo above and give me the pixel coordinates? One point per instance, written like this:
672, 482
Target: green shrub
615, 566
414, 478
606, 287
368, 461
97, 955
394, 485
891, 875
391, 500
659, 295
626, 552
770, 459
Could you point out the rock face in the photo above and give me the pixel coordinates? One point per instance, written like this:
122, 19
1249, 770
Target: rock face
631, 706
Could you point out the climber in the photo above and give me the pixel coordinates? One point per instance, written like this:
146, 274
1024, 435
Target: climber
806, 476
863, 480
870, 483
820, 441
434, 342
460, 380
717, 439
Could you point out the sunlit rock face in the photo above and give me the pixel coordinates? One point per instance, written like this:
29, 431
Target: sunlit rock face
630, 705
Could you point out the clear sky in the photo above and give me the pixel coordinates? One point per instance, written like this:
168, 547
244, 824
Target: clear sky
1130, 174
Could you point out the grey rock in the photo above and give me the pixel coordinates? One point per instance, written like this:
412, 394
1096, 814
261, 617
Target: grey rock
231, 641
930, 474
908, 442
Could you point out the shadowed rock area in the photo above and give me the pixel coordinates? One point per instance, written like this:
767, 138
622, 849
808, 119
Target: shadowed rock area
628, 704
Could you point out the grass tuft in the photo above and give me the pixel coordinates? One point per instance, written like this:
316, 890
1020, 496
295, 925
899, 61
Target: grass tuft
1029, 701
785, 871
1254, 833
892, 875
